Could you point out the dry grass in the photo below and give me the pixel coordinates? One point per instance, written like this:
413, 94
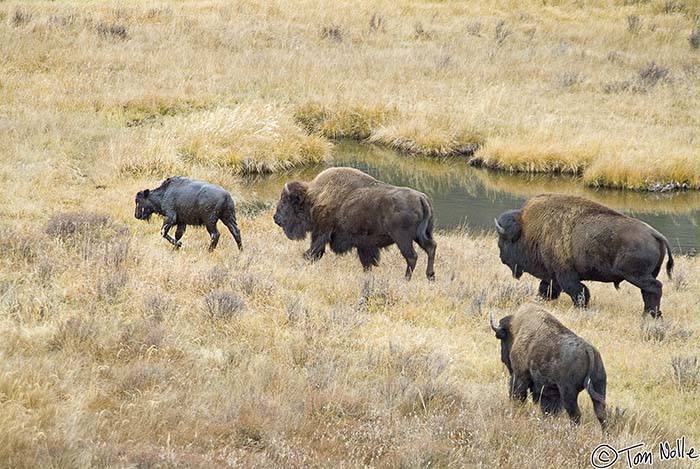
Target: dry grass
258, 358
429, 137
341, 120
605, 92
245, 139
116, 351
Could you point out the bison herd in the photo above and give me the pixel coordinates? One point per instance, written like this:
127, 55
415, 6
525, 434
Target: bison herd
560, 239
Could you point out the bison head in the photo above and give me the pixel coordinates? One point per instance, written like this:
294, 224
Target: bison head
509, 230
503, 333
144, 207
293, 212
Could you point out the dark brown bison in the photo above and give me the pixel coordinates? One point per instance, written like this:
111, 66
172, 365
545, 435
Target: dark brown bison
347, 209
563, 239
182, 201
546, 359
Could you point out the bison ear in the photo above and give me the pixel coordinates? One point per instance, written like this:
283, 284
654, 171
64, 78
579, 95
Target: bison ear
295, 190
504, 327
146, 192
508, 225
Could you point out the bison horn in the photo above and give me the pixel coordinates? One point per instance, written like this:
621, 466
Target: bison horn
286, 189
493, 323
499, 228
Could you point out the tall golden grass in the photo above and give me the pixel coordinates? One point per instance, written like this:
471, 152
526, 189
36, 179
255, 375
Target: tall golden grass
605, 92
243, 139
116, 351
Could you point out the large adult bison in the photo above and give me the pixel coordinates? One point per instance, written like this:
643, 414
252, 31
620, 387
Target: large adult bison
182, 201
551, 362
563, 239
347, 209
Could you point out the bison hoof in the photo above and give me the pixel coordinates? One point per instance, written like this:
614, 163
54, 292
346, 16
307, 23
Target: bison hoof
311, 257
431, 277
178, 244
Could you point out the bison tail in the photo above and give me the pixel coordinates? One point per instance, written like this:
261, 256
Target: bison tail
425, 228
588, 383
669, 263
595, 395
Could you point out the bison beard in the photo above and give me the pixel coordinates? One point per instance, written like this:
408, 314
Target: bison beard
550, 362
346, 208
564, 240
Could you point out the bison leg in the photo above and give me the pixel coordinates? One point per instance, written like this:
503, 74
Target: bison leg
368, 257
167, 225
228, 217
214, 234
317, 248
406, 248
569, 398
573, 287
651, 293
519, 387
549, 290
179, 232
429, 246
233, 228
550, 400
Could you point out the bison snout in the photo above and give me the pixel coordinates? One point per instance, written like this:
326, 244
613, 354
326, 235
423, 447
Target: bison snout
277, 220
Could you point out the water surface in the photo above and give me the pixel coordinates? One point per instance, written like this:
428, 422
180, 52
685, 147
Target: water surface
467, 197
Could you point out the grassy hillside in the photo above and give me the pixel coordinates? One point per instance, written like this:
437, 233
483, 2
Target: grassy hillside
117, 351
610, 92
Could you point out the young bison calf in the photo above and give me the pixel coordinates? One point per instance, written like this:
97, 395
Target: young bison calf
548, 360
183, 202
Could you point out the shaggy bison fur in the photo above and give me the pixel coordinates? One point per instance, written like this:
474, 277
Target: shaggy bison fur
563, 240
182, 201
348, 209
550, 362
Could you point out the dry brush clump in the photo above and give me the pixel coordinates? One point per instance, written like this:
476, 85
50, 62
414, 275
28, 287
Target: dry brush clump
245, 139
112, 31
428, 137
223, 305
92, 236
538, 153
686, 371
342, 121
20, 245
67, 226
694, 39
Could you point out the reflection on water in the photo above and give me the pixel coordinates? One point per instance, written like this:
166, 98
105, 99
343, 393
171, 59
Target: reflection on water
472, 197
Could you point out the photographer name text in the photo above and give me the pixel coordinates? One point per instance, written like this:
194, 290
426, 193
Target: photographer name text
605, 455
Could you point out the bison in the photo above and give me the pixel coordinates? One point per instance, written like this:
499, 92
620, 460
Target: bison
348, 209
564, 239
182, 201
548, 360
